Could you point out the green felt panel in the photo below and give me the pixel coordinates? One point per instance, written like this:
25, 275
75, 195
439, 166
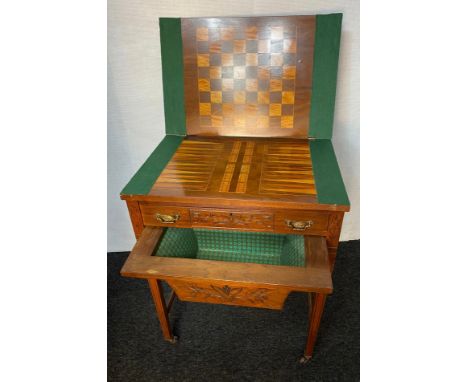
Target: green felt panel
247, 247
145, 177
328, 181
173, 75
325, 70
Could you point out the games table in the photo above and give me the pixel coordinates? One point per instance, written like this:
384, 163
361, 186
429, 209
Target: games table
242, 202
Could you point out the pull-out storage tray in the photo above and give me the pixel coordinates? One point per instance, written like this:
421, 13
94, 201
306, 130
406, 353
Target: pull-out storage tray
231, 267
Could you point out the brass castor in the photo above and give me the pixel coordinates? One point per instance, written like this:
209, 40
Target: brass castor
305, 359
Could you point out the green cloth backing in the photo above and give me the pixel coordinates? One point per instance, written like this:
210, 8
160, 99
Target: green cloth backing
173, 75
328, 181
145, 177
325, 70
223, 245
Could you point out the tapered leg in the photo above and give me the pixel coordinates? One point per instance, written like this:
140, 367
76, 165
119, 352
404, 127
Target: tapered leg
161, 310
315, 314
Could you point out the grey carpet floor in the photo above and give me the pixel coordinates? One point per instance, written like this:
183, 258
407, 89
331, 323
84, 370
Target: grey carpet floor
225, 343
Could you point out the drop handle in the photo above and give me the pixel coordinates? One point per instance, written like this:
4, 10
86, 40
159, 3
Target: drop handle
168, 219
298, 225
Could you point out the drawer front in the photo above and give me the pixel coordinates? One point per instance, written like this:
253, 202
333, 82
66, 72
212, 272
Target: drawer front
301, 222
154, 215
208, 218
260, 221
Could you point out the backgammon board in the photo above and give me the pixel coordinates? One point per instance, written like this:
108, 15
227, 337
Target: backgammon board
245, 168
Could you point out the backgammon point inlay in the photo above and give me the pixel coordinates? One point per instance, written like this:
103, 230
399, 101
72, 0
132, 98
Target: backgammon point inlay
249, 168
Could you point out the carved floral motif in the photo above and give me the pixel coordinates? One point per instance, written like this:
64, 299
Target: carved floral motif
230, 294
232, 219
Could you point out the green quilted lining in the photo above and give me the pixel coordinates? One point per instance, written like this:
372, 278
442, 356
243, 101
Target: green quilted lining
178, 242
246, 247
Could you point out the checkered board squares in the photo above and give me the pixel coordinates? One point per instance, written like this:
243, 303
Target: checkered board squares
246, 76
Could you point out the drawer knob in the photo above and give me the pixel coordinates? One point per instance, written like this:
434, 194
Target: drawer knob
168, 219
297, 225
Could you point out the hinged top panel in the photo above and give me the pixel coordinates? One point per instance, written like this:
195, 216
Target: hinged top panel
248, 76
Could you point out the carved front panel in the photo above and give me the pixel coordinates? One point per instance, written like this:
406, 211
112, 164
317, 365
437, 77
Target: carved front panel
225, 219
252, 220
224, 293
205, 218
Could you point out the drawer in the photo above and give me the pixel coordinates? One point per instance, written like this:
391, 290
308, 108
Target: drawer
253, 220
259, 221
301, 222
163, 216
210, 218
230, 277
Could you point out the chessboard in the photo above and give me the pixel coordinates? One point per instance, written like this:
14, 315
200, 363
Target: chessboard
248, 76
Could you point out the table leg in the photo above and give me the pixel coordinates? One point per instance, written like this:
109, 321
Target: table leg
161, 309
315, 314
311, 301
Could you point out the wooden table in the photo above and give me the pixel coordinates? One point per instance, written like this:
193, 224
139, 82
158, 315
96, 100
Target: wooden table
246, 151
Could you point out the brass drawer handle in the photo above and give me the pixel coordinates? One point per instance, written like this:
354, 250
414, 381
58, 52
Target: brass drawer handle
168, 219
297, 225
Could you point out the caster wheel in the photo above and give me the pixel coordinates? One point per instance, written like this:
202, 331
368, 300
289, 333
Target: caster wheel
304, 360
174, 340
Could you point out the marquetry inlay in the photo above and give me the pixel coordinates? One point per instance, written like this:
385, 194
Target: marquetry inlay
246, 76
242, 75
230, 166
287, 169
239, 168
191, 167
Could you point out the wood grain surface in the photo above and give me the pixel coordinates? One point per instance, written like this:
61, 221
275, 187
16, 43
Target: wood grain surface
141, 264
135, 217
227, 294
244, 168
273, 220
248, 76
192, 166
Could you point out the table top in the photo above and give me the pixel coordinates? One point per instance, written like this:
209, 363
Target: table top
249, 107
239, 168
240, 172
